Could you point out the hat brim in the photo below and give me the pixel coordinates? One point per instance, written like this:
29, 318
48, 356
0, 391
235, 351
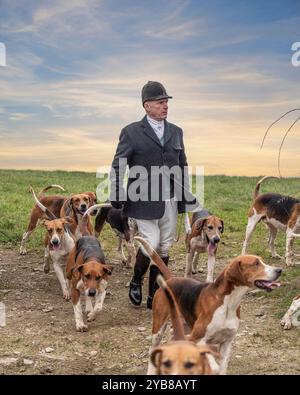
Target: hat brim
158, 98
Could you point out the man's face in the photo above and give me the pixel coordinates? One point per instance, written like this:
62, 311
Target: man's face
157, 109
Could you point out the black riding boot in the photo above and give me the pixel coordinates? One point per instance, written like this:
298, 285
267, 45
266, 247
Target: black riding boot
135, 287
153, 286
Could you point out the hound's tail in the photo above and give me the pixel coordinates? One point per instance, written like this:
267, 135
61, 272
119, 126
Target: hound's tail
49, 214
42, 193
174, 311
155, 258
85, 219
257, 186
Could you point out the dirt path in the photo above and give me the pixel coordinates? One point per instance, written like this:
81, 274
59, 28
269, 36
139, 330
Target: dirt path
40, 336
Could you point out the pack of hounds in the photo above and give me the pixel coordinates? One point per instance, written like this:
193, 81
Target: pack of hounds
205, 316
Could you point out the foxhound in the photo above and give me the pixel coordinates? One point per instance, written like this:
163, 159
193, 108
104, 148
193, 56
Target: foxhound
77, 205
278, 212
180, 356
292, 316
88, 275
59, 241
124, 227
203, 233
212, 311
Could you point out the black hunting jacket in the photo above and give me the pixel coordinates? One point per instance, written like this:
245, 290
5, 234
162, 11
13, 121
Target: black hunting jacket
140, 146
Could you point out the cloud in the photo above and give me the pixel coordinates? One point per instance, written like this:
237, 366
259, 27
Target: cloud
75, 71
179, 33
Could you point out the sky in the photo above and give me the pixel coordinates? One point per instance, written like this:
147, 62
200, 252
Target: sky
74, 72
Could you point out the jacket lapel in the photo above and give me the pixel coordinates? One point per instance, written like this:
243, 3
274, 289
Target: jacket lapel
167, 132
149, 131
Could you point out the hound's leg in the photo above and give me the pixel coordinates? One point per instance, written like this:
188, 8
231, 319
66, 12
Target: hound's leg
289, 248
210, 268
273, 234
61, 278
99, 300
97, 307
195, 262
286, 321
46, 266
25, 237
189, 263
88, 304
252, 222
225, 351
120, 245
80, 325
130, 261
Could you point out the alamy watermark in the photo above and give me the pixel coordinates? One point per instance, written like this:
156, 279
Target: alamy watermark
2, 315
157, 183
2, 55
296, 56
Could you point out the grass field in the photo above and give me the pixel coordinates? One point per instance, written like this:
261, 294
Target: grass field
227, 197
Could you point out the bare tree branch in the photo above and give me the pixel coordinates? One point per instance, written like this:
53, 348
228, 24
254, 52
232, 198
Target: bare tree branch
273, 123
279, 153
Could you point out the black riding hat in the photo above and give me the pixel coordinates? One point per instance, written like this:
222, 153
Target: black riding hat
154, 91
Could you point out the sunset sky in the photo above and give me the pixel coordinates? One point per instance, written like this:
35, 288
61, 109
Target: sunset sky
75, 70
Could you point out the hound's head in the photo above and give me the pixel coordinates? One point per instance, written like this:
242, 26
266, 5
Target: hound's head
94, 277
183, 358
251, 271
56, 231
212, 227
80, 203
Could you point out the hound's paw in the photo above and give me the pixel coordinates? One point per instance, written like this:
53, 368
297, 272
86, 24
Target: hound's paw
91, 316
286, 323
81, 328
23, 251
66, 294
46, 268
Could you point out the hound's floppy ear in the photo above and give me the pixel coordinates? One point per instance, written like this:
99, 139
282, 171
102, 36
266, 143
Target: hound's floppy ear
155, 356
199, 224
43, 222
108, 269
234, 271
92, 197
209, 354
80, 268
209, 350
222, 223
68, 220
66, 208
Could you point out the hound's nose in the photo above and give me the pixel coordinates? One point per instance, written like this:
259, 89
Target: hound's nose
278, 271
216, 239
55, 241
83, 206
92, 292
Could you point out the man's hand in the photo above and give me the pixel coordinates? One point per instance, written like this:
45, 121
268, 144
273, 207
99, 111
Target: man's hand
117, 205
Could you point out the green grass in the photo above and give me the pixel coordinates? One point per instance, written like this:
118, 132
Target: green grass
227, 197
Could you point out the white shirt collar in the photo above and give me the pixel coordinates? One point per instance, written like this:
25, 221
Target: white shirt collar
154, 122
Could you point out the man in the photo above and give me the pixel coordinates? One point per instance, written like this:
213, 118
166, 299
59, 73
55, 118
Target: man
153, 149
